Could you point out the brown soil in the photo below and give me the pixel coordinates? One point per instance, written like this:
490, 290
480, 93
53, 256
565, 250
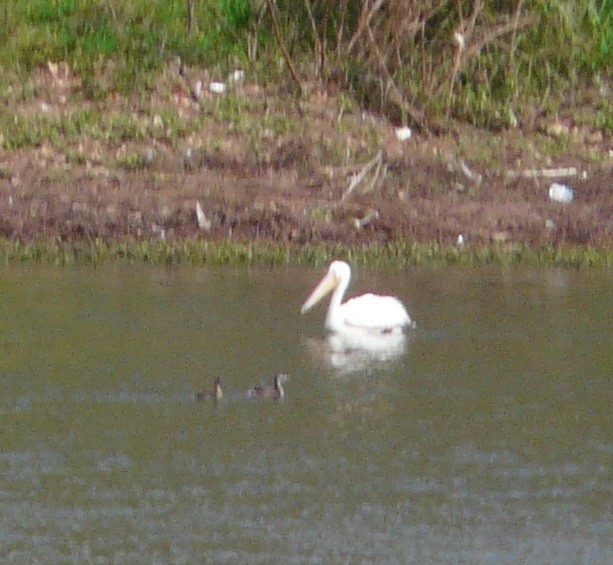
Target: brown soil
287, 193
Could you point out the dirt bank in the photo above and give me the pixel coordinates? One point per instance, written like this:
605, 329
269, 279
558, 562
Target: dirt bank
297, 186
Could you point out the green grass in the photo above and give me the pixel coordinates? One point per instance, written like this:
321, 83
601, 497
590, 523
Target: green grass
567, 46
139, 36
115, 125
98, 124
396, 255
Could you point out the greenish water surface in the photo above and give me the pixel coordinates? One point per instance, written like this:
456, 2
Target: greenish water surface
482, 436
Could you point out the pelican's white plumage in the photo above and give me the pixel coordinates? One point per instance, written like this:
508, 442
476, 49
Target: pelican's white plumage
369, 312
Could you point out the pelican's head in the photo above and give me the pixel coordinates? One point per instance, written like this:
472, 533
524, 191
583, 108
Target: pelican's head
338, 272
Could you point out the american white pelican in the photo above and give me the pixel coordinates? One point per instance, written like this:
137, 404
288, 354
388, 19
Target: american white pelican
275, 392
369, 312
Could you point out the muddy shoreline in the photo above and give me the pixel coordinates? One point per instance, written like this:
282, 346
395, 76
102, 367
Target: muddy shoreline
245, 203
263, 169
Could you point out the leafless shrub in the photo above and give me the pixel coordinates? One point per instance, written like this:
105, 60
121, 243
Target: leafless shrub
405, 56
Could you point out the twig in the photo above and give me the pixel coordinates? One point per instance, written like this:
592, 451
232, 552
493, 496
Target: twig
359, 177
477, 9
475, 49
514, 35
470, 174
545, 173
395, 94
379, 173
316, 39
364, 23
272, 6
341, 27
324, 40
460, 36
191, 17
502, 29
460, 42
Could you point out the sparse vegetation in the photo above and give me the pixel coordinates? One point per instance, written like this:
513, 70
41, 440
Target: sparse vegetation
112, 130
414, 61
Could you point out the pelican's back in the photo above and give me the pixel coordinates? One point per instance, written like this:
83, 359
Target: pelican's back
374, 312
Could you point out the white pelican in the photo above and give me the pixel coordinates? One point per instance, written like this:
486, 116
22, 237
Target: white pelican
369, 312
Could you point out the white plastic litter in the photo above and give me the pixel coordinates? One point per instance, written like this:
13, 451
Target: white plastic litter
236, 76
217, 87
404, 133
561, 193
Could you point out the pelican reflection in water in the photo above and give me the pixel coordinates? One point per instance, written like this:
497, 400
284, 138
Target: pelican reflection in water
348, 353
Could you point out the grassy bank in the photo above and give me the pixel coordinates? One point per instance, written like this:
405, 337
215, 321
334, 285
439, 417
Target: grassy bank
399, 256
111, 131
493, 64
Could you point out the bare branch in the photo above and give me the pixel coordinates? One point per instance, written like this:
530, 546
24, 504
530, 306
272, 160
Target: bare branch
514, 35
395, 94
357, 178
319, 47
364, 22
465, 54
191, 17
341, 27
272, 6
498, 31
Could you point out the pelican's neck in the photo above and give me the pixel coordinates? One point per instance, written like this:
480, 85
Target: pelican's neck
334, 316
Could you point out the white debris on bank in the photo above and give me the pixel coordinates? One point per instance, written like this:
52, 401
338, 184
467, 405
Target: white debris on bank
403, 133
561, 193
237, 76
203, 222
217, 87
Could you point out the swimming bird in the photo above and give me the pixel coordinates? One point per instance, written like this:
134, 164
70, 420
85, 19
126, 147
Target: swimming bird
367, 313
217, 393
275, 392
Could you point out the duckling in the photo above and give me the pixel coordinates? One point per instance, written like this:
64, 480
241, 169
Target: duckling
275, 392
217, 394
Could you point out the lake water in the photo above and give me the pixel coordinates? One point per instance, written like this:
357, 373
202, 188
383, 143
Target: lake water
483, 437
